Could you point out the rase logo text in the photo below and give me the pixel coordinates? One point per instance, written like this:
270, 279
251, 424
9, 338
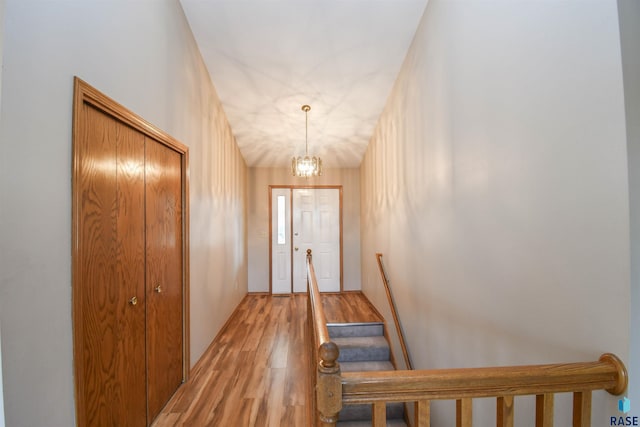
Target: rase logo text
624, 406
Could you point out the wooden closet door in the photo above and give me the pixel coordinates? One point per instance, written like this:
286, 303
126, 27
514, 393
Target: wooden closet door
164, 272
110, 324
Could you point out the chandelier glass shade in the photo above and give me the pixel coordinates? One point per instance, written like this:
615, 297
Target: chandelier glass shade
308, 165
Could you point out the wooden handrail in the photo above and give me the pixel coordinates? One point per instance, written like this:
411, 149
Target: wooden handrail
608, 373
327, 393
319, 318
394, 312
503, 383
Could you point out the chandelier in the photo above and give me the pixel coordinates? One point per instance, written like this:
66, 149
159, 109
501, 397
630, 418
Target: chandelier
306, 166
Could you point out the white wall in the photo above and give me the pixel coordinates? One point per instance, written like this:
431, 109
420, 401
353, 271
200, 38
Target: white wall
496, 187
258, 230
629, 12
142, 54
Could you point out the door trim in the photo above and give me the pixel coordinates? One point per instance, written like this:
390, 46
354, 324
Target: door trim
301, 187
84, 94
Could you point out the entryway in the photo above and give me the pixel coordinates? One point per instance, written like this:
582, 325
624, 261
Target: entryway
305, 218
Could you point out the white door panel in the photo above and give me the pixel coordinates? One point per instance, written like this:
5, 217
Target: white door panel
316, 226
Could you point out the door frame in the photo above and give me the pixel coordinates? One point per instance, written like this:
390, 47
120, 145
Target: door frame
85, 94
301, 187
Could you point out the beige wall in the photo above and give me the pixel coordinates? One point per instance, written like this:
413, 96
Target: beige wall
496, 187
258, 234
143, 55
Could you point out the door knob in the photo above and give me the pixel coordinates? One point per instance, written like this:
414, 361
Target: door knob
158, 289
295, 249
133, 301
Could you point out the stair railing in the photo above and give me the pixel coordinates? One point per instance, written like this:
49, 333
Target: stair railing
326, 382
394, 312
503, 383
333, 389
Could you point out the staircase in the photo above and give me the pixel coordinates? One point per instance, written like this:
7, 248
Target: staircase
363, 347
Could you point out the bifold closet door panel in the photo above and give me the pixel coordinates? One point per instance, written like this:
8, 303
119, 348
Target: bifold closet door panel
112, 241
164, 273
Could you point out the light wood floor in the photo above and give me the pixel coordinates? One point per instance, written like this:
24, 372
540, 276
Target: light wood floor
256, 372
351, 307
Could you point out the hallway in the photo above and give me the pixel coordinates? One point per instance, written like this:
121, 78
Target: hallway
500, 178
256, 371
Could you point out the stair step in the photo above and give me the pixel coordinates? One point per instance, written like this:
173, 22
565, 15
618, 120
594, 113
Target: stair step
363, 412
375, 365
357, 349
338, 330
390, 423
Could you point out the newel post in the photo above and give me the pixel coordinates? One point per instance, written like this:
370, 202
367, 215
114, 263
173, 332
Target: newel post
329, 385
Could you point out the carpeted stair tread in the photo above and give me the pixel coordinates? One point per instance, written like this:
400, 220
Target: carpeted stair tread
363, 412
373, 365
362, 348
339, 330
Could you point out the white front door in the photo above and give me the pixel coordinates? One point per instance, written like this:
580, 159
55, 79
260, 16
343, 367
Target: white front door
281, 241
316, 226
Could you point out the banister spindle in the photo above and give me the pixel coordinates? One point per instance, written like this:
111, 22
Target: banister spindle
464, 415
544, 410
504, 414
582, 409
422, 413
379, 413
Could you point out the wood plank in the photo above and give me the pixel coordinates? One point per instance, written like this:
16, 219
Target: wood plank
582, 409
364, 387
464, 412
504, 414
379, 414
544, 410
422, 413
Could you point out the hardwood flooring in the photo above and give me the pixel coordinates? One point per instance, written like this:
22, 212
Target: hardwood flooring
351, 307
256, 372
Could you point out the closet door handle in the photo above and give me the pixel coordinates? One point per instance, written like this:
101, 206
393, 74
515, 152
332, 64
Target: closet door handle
133, 301
158, 289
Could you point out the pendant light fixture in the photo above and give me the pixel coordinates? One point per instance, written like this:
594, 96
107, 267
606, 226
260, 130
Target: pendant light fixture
306, 166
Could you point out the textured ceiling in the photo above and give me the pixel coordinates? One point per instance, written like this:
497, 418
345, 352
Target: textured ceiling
267, 58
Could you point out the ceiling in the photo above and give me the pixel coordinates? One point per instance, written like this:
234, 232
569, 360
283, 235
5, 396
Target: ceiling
267, 58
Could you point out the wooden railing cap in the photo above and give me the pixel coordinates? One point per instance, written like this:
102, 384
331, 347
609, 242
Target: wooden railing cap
329, 353
623, 376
